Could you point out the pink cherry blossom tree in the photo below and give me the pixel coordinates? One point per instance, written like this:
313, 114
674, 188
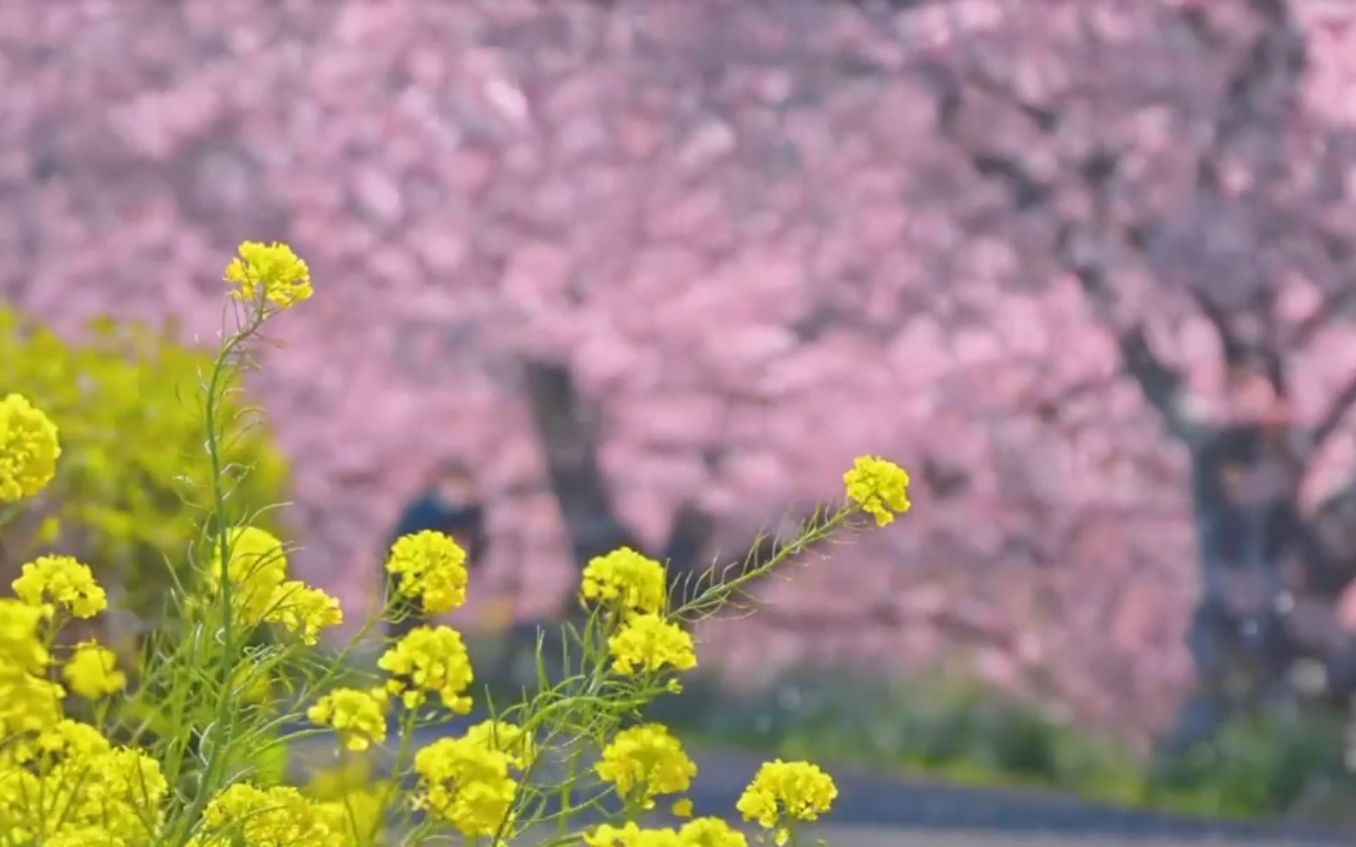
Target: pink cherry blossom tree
1081, 265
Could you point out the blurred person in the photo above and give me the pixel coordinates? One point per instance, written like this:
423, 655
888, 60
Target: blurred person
448, 502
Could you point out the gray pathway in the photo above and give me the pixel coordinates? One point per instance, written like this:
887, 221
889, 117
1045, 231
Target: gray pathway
874, 810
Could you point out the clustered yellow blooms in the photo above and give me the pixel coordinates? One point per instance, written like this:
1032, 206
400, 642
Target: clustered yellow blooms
280, 816
299, 608
69, 782
624, 581
28, 701
702, 832
63, 582
260, 590
648, 642
62, 781
506, 738
269, 273
432, 567
644, 762
633, 587
879, 486
785, 793
430, 660
29, 449
92, 671
64, 784
358, 715
466, 783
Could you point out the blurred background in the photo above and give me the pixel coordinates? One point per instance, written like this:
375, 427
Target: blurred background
592, 272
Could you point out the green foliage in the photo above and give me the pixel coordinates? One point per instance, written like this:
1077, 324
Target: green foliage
1270, 762
133, 470
964, 732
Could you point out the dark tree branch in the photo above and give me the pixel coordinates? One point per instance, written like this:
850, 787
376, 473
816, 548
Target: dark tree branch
566, 427
1332, 418
568, 436
1311, 324
1161, 384
1240, 355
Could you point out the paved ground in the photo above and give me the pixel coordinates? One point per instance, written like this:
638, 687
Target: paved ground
852, 836
876, 810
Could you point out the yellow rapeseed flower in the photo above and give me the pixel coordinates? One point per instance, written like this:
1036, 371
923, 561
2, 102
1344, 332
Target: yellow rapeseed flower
624, 580
711, 832
430, 660
92, 671
645, 761
257, 569
879, 486
354, 816
648, 642
432, 567
264, 817
358, 715
304, 610
28, 703
22, 649
630, 834
269, 272
506, 738
63, 581
783, 793
466, 784
116, 794
29, 448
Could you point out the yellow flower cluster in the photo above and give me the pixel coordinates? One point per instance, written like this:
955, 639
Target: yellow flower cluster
28, 701
624, 581
432, 567
29, 449
358, 715
68, 784
711, 832
65, 784
92, 671
62, 581
878, 486
648, 642
304, 610
784, 793
644, 762
245, 815
633, 588
702, 832
260, 590
63, 781
465, 781
505, 738
257, 567
269, 273
430, 660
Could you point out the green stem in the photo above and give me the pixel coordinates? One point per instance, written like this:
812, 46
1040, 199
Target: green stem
223, 727
407, 725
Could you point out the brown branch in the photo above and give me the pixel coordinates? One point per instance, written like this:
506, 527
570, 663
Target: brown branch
1332, 418
1311, 324
567, 433
1163, 386
566, 428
